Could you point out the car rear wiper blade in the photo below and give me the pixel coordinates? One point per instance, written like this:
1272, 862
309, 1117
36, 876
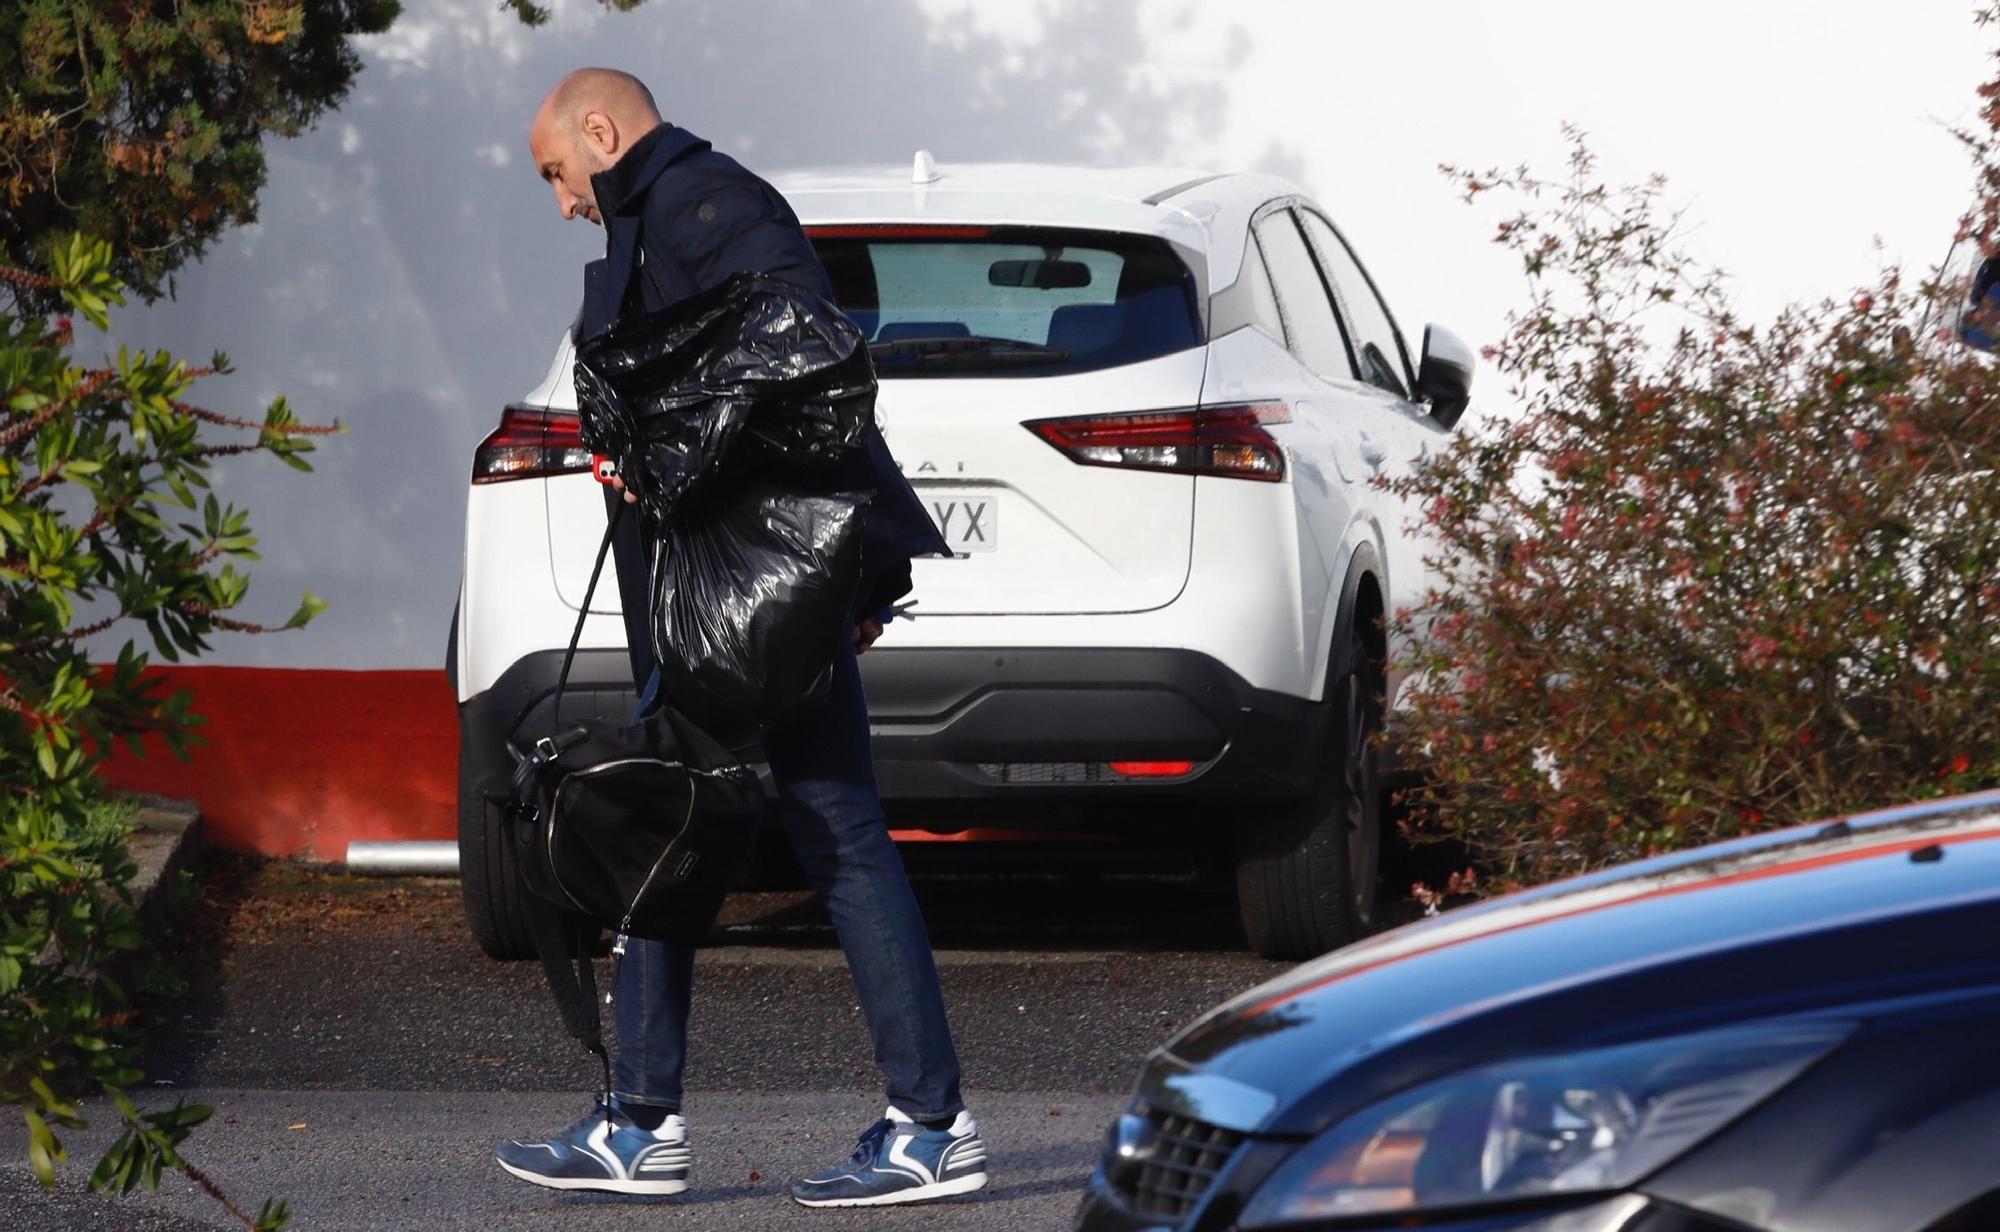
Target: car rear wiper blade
959, 348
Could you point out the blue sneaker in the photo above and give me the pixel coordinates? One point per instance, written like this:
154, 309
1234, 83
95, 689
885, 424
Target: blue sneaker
899, 1160
610, 1155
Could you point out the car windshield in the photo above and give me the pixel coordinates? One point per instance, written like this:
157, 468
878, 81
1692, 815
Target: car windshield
942, 301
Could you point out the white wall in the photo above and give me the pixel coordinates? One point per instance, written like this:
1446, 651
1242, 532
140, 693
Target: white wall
410, 273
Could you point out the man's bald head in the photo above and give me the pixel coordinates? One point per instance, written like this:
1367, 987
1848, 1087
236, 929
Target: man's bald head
585, 125
617, 94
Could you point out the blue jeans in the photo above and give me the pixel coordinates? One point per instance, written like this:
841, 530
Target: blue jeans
825, 774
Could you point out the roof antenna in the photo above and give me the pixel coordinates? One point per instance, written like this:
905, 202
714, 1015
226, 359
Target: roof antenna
924, 169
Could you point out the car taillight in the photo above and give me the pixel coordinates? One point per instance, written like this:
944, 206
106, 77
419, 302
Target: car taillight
531, 444
1229, 441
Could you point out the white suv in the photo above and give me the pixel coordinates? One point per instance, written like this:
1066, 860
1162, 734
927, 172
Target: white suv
1147, 408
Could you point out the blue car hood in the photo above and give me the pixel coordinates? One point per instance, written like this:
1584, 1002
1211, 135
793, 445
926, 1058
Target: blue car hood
1829, 915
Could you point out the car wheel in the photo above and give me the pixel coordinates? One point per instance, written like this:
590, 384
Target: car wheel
495, 898
1306, 873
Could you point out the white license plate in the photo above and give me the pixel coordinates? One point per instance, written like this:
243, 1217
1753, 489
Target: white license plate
970, 523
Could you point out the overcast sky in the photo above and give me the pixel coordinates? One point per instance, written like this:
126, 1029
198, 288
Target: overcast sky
410, 275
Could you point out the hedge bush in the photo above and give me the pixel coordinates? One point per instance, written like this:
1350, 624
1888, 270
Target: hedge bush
1718, 575
104, 519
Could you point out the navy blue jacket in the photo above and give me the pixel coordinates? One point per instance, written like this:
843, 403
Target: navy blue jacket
680, 218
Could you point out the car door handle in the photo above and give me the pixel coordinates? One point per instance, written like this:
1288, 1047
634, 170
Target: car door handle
1373, 454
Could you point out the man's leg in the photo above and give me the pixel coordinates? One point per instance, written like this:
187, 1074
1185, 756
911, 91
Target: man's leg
639, 1144
650, 1003
826, 783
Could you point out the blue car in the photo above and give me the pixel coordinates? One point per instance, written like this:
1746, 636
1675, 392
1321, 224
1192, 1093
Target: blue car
1796, 1031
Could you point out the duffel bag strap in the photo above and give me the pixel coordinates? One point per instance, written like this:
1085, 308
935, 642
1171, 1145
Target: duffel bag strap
576, 634
563, 940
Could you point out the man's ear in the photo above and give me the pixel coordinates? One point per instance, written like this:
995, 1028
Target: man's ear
600, 133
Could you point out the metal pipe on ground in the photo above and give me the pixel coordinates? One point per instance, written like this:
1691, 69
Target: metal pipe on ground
403, 859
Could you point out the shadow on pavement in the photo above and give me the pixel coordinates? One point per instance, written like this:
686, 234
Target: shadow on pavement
296, 977
1020, 910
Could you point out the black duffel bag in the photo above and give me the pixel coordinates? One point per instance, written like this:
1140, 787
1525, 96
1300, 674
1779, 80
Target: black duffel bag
639, 828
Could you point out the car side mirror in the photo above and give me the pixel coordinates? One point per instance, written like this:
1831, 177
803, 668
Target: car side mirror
1444, 378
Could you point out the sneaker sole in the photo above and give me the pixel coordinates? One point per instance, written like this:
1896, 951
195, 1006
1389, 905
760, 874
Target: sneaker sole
922, 1193
607, 1185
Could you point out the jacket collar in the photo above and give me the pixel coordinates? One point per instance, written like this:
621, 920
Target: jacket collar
623, 184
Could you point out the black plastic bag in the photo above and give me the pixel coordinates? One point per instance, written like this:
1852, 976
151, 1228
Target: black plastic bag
755, 376
751, 594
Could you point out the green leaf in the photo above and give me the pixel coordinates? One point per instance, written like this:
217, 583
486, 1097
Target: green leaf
50, 1103
44, 1152
273, 1216
309, 606
112, 1164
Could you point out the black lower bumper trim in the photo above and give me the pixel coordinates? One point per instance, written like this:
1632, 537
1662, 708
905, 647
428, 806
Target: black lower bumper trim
982, 730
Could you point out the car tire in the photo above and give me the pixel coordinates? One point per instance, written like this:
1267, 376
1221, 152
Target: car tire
495, 899
1306, 873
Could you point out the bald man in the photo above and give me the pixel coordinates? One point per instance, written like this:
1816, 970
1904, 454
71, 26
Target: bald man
680, 218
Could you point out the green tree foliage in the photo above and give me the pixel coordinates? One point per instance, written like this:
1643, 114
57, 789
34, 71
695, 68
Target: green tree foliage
1720, 575
105, 517
532, 14
141, 122
131, 136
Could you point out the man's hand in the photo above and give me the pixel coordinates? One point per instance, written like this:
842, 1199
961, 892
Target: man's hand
630, 499
865, 634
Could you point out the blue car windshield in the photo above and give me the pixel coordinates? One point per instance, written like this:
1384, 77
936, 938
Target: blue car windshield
956, 301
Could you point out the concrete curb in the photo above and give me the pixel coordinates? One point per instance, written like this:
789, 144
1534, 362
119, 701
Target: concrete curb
165, 835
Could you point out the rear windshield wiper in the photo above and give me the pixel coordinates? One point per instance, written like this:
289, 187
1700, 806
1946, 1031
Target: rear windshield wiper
977, 351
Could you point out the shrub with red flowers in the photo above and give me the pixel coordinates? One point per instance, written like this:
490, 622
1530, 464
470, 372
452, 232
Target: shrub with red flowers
1718, 575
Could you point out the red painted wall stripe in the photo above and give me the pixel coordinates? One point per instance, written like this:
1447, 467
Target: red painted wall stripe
300, 762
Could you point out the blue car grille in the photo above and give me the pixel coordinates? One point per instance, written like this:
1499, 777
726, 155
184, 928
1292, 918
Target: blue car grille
1182, 1166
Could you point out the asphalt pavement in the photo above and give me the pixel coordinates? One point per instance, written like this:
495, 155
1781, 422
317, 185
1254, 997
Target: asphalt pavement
364, 1058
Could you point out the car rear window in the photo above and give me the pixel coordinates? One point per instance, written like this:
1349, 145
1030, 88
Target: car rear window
938, 301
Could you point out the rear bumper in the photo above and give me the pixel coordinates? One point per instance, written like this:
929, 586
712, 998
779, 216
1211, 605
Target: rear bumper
966, 736
1016, 724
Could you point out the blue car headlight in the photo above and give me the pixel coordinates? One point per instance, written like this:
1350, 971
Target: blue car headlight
1572, 1124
